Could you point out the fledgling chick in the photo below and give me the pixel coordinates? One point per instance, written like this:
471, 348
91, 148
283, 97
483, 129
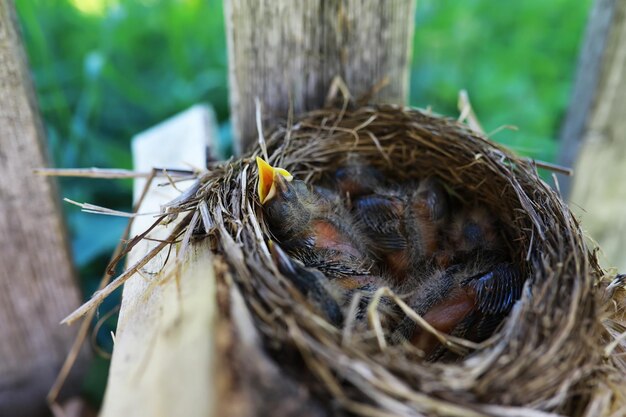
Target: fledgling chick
326, 254
316, 230
304, 220
467, 301
404, 225
472, 232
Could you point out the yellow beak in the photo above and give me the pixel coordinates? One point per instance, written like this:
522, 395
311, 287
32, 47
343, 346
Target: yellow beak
267, 183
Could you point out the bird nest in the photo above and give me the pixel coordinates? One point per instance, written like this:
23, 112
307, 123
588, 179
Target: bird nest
557, 350
560, 349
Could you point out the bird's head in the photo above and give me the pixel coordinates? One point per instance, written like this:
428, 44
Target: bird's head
287, 203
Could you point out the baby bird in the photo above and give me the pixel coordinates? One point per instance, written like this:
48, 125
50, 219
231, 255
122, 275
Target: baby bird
316, 231
467, 300
473, 230
304, 220
449, 265
471, 286
404, 225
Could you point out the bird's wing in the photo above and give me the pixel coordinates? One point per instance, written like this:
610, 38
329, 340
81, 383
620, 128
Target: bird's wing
497, 289
310, 282
334, 263
381, 221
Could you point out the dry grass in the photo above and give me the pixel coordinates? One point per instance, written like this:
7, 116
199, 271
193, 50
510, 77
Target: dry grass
562, 348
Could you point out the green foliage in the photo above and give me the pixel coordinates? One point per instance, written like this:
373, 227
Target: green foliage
516, 59
103, 77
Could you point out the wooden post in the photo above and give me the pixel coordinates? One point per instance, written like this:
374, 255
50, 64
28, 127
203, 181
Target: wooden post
284, 50
594, 133
585, 95
163, 360
37, 284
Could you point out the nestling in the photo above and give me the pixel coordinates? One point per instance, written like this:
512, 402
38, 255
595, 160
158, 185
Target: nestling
319, 233
303, 219
448, 265
404, 224
467, 300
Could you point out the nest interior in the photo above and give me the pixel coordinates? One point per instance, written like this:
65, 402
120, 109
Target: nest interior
549, 354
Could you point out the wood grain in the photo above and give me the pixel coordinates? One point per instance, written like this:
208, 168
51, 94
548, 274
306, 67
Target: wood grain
284, 50
162, 362
586, 82
37, 283
598, 191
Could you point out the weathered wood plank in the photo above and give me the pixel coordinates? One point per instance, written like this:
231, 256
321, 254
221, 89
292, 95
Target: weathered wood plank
284, 50
37, 283
162, 362
585, 91
598, 191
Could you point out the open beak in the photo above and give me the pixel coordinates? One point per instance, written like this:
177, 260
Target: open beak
268, 175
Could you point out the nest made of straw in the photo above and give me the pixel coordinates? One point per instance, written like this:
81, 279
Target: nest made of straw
556, 352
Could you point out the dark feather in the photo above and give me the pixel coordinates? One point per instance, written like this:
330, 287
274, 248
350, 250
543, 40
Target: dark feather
311, 283
497, 289
380, 218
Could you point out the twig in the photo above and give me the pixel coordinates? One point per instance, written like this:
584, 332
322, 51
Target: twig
100, 295
92, 208
131, 244
259, 127
105, 173
467, 112
96, 329
72, 355
553, 167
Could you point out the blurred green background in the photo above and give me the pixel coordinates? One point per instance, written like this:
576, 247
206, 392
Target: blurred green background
107, 69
